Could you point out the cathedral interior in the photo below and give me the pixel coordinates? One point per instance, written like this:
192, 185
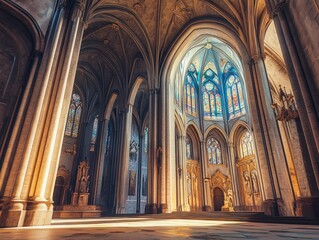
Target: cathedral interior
111, 107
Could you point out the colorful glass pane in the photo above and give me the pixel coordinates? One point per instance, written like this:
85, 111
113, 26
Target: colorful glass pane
76, 121
241, 97
235, 97
218, 104
230, 101
69, 123
146, 140
73, 120
193, 101
212, 105
189, 101
247, 144
214, 151
94, 133
209, 86
206, 104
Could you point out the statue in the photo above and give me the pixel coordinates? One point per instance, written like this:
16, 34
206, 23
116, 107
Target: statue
247, 183
81, 194
254, 182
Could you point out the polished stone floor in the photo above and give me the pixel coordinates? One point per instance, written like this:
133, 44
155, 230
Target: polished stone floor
143, 228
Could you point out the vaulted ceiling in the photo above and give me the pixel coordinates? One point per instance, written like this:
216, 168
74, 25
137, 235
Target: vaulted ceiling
127, 38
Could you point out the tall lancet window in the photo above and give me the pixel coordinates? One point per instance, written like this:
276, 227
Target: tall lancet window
94, 133
74, 116
211, 97
235, 98
190, 91
214, 151
246, 144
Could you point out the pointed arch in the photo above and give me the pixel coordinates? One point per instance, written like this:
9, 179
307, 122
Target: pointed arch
109, 106
135, 87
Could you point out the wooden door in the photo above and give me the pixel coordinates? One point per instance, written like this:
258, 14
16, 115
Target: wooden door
218, 199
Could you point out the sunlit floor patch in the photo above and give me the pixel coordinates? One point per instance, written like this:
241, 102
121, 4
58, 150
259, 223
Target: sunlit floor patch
158, 228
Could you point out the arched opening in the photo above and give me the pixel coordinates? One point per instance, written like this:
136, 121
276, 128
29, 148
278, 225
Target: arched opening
59, 191
210, 98
16, 48
218, 196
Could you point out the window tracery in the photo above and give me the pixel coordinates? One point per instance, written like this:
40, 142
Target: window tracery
94, 133
214, 151
246, 145
74, 116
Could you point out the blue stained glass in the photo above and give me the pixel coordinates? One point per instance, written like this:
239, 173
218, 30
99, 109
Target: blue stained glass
212, 102
235, 99
190, 96
94, 133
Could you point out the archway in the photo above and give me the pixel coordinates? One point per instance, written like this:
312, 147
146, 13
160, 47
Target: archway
201, 96
218, 196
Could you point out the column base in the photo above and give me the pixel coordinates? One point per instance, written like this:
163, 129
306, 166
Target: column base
163, 208
38, 214
307, 207
207, 208
13, 214
151, 208
270, 207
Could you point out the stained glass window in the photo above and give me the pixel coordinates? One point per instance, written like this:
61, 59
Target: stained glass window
190, 93
74, 116
246, 145
189, 148
235, 98
177, 88
211, 97
146, 140
94, 133
214, 151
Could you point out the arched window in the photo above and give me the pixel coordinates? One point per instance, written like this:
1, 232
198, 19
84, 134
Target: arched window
214, 151
211, 97
246, 145
189, 148
146, 140
94, 133
190, 92
74, 116
235, 99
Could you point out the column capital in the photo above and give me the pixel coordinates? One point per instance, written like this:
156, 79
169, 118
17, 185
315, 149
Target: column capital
254, 60
78, 9
279, 7
153, 90
230, 144
63, 3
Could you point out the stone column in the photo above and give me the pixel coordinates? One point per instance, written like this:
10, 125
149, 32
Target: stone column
122, 183
118, 152
101, 160
205, 178
233, 174
301, 85
185, 203
156, 163
277, 190
36, 163
41, 205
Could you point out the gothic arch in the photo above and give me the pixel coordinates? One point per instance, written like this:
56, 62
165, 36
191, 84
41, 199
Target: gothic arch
196, 31
110, 106
236, 129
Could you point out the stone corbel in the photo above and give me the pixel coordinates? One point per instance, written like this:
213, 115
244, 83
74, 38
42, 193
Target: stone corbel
279, 7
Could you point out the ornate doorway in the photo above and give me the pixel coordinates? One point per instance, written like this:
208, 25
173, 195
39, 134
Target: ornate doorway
218, 196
